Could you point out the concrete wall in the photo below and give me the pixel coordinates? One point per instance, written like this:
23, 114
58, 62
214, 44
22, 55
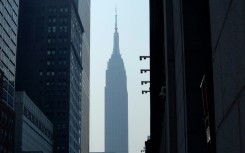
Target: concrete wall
29, 135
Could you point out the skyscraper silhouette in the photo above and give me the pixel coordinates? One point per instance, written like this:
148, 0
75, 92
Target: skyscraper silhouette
53, 67
116, 102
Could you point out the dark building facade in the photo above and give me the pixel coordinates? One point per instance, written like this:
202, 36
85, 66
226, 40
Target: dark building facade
228, 49
84, 13
185, 56
116, 102
33, 130
50, 64
191, 47
8, 42
7, 118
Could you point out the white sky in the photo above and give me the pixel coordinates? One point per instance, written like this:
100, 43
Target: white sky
133, 27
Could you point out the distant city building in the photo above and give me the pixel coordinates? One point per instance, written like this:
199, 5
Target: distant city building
33, 130
8, 43
116, 102
53, 66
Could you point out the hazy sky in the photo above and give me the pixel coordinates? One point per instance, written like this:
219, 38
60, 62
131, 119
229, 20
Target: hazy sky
133, 27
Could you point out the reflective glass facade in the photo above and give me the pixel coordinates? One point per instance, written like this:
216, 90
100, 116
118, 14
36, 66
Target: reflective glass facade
8, 42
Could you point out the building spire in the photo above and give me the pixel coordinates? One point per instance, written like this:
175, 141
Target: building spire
116, 19
116, 36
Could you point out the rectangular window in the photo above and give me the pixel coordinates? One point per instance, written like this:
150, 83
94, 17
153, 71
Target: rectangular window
61, 29
49, 40
54, 29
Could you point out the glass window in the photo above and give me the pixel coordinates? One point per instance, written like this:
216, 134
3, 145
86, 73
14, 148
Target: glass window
54, 29
61, 29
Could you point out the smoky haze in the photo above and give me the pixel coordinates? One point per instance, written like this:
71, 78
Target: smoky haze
133, 29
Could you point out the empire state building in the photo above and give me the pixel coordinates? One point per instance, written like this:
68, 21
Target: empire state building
116, 101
